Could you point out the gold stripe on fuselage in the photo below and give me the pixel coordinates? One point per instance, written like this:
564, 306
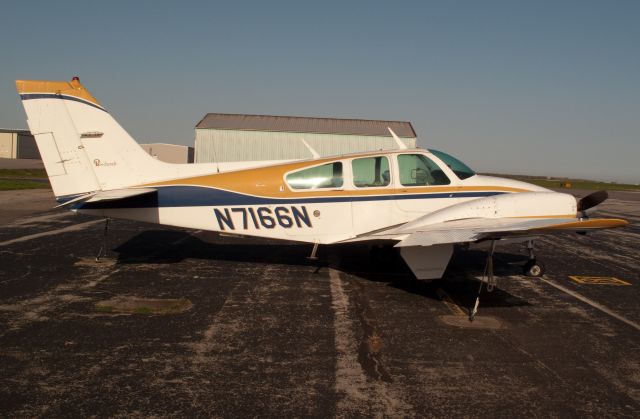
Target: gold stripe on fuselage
269, 182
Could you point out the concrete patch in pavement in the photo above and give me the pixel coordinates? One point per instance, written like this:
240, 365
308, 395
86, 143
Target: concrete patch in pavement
136, 305
479, 322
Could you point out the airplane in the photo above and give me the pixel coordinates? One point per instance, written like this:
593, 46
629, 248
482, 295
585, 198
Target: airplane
421, 201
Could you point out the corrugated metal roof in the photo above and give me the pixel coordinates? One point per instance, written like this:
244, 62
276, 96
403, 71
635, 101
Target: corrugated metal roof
305, 124
16, 131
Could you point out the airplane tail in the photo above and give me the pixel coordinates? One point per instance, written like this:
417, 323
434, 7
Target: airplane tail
82, 146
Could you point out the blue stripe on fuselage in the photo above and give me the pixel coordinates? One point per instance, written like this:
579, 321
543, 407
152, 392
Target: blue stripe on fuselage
194, 196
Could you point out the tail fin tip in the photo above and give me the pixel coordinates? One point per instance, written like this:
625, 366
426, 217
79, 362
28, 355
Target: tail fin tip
28, 88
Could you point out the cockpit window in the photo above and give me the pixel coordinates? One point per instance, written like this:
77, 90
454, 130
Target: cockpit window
419, 170
460, 169
325, 176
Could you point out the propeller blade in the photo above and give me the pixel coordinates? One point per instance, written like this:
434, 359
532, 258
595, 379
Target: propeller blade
592, 200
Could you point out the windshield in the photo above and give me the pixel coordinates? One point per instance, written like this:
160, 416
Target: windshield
460, 169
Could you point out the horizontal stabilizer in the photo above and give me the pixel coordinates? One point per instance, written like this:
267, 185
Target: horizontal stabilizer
119, 194
111, 195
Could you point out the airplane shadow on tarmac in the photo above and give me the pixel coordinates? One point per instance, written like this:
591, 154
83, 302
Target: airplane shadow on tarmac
379, 265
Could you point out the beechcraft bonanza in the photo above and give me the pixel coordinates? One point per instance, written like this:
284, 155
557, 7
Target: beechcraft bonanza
421, 201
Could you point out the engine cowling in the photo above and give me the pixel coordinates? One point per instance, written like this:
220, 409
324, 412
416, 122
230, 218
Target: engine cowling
429, 262
512, 205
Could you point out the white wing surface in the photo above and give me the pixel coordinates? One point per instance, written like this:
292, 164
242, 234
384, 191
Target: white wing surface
475, 229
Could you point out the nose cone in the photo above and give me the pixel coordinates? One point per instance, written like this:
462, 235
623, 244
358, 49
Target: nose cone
507, 183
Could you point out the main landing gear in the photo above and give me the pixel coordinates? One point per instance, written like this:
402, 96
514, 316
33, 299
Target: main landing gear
532, 268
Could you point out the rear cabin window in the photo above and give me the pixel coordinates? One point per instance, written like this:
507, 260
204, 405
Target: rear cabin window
370, 172
325, 176
419, 170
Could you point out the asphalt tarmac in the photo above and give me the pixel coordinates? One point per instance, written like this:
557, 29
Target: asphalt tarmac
176, 322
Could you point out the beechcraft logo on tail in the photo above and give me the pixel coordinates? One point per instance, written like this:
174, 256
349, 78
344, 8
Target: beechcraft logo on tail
262, 217
98, 163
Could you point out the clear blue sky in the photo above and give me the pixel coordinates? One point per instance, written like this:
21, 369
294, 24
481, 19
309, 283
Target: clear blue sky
532, 87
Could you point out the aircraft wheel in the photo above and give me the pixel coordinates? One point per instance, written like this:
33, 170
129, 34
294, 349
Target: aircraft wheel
533, 268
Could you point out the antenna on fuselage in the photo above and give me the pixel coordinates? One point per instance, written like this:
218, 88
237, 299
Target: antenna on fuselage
401, 145
314, 153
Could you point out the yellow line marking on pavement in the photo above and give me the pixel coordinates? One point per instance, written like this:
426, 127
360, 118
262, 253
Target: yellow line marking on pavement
74, 227
593, 304
598, 280
450, 303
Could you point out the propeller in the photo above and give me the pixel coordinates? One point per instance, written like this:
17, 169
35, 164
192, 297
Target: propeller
592, 200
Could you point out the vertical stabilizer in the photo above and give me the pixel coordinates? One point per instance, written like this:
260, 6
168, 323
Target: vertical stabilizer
83, 148
67, 165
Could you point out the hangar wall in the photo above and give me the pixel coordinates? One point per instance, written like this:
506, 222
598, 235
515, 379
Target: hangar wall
18, 144
169, 153
233, 137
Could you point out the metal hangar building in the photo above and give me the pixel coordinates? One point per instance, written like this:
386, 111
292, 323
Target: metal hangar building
236, 137
169, 153
18, 144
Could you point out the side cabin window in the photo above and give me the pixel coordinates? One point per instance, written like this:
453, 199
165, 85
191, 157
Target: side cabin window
371, 172
325, 176
419, 170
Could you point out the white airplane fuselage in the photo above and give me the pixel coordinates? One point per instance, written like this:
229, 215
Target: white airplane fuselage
321, 215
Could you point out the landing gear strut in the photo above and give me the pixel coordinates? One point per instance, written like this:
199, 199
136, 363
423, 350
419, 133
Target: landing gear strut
314, 252
103, 248
487, 276
532, 268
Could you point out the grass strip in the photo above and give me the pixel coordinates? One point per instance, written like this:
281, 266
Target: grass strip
23, 173
15, 184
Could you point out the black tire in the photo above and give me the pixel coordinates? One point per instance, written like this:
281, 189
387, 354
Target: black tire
533, 268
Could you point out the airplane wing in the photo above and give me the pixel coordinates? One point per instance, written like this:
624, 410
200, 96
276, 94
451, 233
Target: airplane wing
111, 195
498, 217
472, 230
426, 243
476, 229
428, 249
